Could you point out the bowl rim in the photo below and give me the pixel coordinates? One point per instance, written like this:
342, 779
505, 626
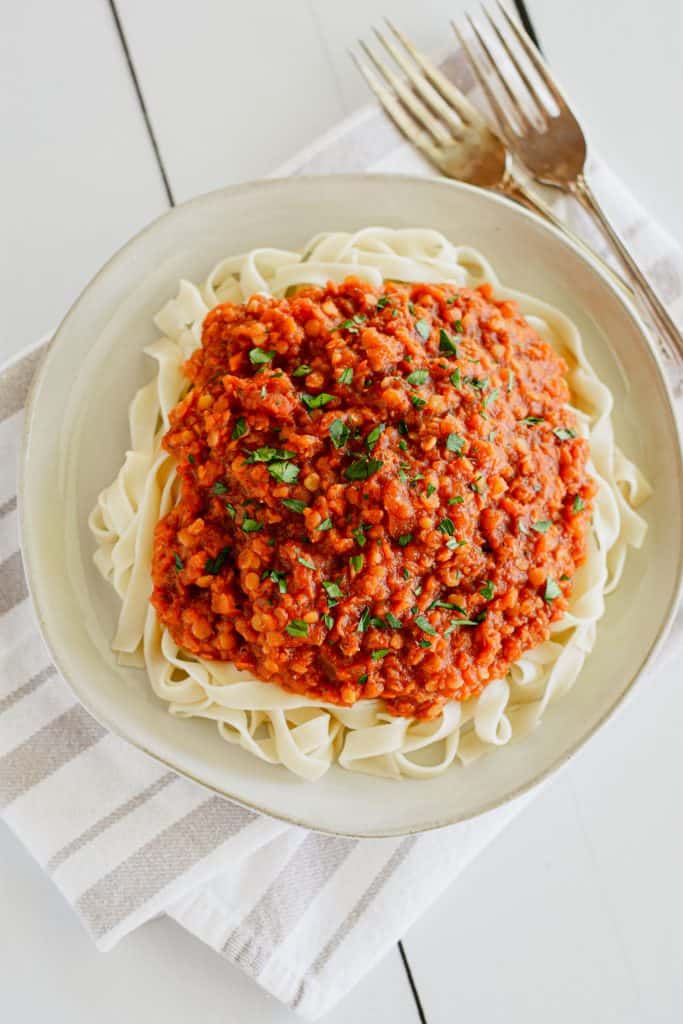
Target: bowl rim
312, 180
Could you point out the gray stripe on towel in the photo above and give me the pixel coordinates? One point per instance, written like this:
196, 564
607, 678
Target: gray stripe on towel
266, 926
162, 860
40, 755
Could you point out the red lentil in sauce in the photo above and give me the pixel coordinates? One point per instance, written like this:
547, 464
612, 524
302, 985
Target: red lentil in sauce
382, 493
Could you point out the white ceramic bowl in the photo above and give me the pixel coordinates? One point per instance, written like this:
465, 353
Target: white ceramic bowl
76, 434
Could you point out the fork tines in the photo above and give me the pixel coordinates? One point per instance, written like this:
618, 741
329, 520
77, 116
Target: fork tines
429, 110
486, 69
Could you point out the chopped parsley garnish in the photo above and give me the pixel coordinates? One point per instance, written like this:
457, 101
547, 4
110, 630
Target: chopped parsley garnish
461, 622
294, 505
402, 427
563, 433
381, 653
362, 468
446, 344
214, 565
418, 402
325, 525
424, 329
364, 678
190, 459
285, 472
455, 443
280, 578
448, 605
346, 376
316, 401
411, 309
578, 505
392, 621
302, 371
532, 419
363, 621
374, 435
219, 488
418, 377
404, 539
541, 527
455, 378
446, 526
424, 643
329, 621
258, 356
269, 455
565, 578
383, 301
430, 490
552, 590
457, 326
352, 324
477, 487
333, 590
230, 509
305, 562
491, 397
457, 500
179, 564
359, 535
403, 445
452, 544
478, 383
240, 428
423, 623
406, 574
297, 627
339, 433
488, 590
251, 525
356, 562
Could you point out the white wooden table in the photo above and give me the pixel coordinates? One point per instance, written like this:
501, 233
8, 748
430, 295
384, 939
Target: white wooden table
108, 112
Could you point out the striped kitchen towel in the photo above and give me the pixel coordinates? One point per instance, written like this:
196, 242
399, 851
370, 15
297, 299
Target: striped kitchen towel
125, 840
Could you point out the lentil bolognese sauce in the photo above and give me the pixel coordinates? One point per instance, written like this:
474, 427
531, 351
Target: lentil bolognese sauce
382, 493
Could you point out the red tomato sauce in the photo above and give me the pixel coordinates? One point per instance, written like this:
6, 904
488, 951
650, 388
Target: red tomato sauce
382, 493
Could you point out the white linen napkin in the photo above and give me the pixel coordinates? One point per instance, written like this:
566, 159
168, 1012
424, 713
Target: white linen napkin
125, 840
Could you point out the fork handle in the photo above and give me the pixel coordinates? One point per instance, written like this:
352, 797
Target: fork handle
641, 286
515, 188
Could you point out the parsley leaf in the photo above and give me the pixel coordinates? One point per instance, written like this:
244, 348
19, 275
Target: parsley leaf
333, 590
297, 627
294, 504
339, 433
356, 562
285, 472
381, 653
488, 590
563, 433
418, 377
325, 525
446, 344
251, 525
423, 623
446, 526
316, 401
424, 329
455, 443
240, 428
362, 468
578, 505
404, 539
552, 590
541, 527
305, 561
214, 565
258, 356
346, 376
179, 564
374, 435
219, 488
302, 371
393, 621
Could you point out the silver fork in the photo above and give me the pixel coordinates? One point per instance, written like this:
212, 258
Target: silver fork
441, 122
554, 151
